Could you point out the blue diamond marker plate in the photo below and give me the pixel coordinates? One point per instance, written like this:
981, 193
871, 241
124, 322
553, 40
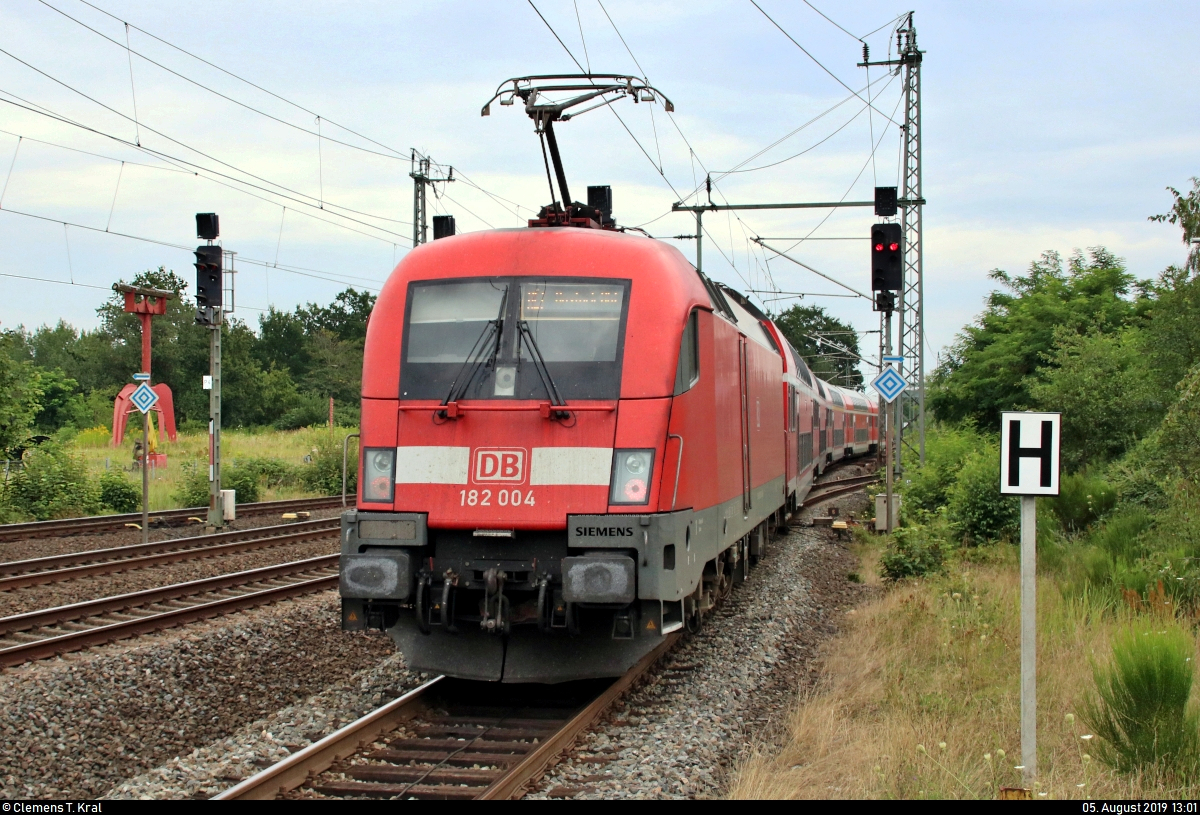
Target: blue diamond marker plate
889, 384
143, 397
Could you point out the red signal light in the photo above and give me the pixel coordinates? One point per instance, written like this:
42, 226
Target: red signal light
893, 247
879, 247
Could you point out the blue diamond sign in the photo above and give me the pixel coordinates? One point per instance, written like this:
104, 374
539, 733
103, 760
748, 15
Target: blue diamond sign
889, 384
143, 397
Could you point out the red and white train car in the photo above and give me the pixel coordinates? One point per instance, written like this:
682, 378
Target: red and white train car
572, 444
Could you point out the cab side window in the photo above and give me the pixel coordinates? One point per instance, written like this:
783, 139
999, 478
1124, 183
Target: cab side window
687, 373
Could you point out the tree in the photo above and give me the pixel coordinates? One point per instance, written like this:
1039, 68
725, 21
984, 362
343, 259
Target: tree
989, 366
282, 343
19, 396
828, 345
1186, 212
345, 318
1102, 385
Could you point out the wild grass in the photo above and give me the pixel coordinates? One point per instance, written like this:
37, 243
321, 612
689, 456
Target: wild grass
920, 696
237, 446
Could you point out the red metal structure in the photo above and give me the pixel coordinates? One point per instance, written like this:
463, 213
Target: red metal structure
572, 444
145, 303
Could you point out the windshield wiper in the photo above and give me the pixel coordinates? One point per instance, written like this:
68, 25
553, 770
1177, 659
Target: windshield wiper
491, 334
539, 364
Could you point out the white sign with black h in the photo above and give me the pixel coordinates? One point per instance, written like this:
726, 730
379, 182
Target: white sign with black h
1030, 451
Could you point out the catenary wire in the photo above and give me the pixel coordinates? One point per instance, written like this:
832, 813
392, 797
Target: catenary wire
814, 59
180, 161
201, 153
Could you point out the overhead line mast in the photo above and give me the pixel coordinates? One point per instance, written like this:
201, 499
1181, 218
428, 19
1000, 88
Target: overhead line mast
912, 294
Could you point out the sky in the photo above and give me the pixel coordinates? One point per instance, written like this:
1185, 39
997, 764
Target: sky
1046, 126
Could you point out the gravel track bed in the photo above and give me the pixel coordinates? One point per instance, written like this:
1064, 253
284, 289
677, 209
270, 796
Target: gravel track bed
49, 595
67, 544
726, 688
211, 769
80, 726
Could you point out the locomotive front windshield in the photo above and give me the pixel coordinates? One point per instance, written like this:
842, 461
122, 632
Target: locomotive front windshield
478, 338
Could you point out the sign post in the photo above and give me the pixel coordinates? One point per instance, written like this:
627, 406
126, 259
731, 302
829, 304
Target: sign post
144, 398
1030, 455
889, 385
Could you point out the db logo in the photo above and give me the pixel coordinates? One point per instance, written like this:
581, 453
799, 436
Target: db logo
499, 464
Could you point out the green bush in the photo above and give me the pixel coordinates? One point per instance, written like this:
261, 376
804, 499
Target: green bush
193, 486
323, 475
242, 479
311, 411
271, 472
1082, 501
1119, 535
1140, 706
192, 490
53, 483
926, 487
912, 552
976, 510
118, 493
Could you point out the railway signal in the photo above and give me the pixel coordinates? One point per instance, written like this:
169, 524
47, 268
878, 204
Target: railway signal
887, 257
885, 202
210, 280
1030, 453
208, 284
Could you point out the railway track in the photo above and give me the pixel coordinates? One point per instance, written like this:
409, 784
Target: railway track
170, 517
19, 574
447, 740
50, 632
825, 490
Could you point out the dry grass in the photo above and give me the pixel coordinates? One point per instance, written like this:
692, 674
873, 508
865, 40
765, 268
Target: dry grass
920, 698
290, 446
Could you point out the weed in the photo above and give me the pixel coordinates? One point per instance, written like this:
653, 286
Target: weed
53, 483
976, 509
118, 493
912, 552
1082, 501
1140, 706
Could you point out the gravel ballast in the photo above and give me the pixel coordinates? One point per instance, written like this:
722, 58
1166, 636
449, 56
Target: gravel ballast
67, 544
190, 712
80, 725
50, 595
727, 687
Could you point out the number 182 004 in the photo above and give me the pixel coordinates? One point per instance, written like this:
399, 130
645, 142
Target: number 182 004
504, 498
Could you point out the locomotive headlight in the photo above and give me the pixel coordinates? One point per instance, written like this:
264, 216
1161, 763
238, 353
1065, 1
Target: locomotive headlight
631, 473
379, 474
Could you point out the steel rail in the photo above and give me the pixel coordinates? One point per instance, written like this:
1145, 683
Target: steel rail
75, 641
843, 482
305, 765
191, 553
101, 523
320, 756
42, 564
515, 782
122, 602
833, 492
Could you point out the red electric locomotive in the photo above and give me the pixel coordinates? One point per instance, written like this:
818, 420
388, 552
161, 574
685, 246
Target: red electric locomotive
572, 444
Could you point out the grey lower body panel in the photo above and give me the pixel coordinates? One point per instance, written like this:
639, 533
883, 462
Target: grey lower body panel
525, 655
665, 553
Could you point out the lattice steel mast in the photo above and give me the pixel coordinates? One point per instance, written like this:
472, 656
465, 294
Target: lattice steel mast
912, 296
912, 304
